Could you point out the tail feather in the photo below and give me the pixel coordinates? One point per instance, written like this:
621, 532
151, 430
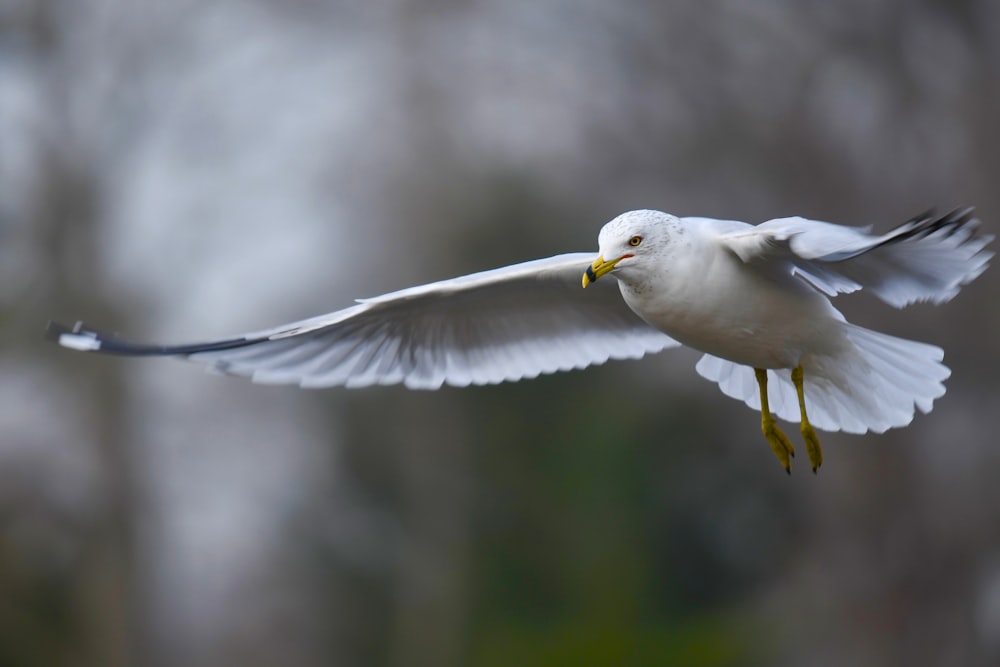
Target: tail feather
876, 383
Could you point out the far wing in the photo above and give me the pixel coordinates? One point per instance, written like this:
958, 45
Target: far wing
928, 258
506, 324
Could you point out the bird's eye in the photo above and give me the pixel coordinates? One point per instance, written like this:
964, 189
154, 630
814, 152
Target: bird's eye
634, 241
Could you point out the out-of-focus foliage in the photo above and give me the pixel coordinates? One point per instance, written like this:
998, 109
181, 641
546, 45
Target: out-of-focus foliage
180, 170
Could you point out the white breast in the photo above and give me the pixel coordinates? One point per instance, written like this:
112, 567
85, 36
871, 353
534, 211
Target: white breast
729, 309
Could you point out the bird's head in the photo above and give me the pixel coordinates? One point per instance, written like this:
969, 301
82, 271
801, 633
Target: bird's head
630, 243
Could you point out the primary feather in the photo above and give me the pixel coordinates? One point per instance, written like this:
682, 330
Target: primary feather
928, 258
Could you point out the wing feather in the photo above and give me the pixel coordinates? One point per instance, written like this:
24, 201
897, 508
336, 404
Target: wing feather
505, 324
928, 258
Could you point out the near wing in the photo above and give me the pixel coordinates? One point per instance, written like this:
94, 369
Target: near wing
928, 258
510, 323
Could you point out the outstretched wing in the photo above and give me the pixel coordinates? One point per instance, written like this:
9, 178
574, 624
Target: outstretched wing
510, 323
928, 258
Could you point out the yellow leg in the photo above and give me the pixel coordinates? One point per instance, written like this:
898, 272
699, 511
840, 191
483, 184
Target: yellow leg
780, 444
808, 432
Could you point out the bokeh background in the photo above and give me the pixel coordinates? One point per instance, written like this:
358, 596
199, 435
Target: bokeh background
186, 169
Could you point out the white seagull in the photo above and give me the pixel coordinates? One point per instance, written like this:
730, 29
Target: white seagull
754, 299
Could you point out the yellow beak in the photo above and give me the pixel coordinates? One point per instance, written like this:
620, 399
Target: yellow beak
599, 268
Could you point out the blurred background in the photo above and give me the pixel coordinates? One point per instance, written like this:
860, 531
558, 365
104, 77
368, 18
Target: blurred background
182, 170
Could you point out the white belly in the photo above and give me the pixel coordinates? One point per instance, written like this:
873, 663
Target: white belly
742, 315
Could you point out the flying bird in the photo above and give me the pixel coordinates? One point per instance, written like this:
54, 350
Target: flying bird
754, 299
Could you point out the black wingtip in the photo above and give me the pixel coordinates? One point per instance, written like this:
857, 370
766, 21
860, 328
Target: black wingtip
930, 222
950, 222
83, 339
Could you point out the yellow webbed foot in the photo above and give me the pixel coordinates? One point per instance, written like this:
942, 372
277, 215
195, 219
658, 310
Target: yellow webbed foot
812, 445
780, 444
